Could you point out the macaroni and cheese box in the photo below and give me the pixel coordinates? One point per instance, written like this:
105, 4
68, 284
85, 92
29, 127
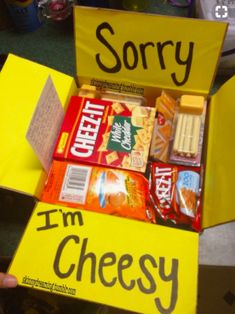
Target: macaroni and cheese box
114, 134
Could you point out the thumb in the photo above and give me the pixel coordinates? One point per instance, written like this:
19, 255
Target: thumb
7, 281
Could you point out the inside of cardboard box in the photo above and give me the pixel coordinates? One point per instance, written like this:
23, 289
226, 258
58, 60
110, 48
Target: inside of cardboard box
222, 100
91, 91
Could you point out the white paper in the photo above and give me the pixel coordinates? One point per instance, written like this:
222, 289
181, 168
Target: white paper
45, 124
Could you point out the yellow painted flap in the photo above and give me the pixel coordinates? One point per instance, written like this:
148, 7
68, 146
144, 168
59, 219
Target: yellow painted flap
218, 205
21, 82
146, 49
116, 261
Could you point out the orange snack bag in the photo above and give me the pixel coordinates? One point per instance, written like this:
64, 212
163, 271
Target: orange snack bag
111, 191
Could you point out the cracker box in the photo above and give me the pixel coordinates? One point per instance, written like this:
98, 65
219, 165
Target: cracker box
132, 265
108, 133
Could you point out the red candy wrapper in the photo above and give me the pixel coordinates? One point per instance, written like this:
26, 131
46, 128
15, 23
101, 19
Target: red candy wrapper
176, 193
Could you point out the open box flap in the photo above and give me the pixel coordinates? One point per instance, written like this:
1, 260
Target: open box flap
146, 49
21, 82
220, 171
106, 259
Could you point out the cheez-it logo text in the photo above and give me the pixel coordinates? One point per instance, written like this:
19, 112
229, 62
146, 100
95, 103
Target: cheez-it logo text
87, 132
163, 186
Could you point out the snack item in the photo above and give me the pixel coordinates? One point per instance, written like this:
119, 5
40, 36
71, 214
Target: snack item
106, 133
129, 99
176, 193
124, 98
166, 107
110, 191
187, 135
189, 129
87, 91
192, 104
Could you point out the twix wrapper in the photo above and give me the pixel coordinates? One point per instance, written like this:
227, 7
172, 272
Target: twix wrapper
110, 191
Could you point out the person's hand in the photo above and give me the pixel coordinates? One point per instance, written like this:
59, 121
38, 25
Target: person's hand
7, 281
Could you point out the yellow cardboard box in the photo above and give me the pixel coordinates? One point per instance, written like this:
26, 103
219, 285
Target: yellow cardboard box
120, 262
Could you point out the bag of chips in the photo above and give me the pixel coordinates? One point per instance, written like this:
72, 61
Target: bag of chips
110, 191
175, 192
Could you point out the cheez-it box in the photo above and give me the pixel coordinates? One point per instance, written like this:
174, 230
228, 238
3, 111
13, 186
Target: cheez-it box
114, 134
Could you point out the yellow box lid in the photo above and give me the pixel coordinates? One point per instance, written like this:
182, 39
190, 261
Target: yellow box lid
146, 49
116, 261
218, 204
21, 83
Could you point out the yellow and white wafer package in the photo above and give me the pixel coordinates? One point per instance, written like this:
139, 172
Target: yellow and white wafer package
188, 131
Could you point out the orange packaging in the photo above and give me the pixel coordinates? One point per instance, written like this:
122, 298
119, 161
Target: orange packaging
166, 107
111, 191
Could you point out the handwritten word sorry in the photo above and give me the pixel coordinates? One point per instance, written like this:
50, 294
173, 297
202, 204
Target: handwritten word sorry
134, 55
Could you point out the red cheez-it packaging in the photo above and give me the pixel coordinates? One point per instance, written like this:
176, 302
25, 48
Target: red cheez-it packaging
106, 133
175, 192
